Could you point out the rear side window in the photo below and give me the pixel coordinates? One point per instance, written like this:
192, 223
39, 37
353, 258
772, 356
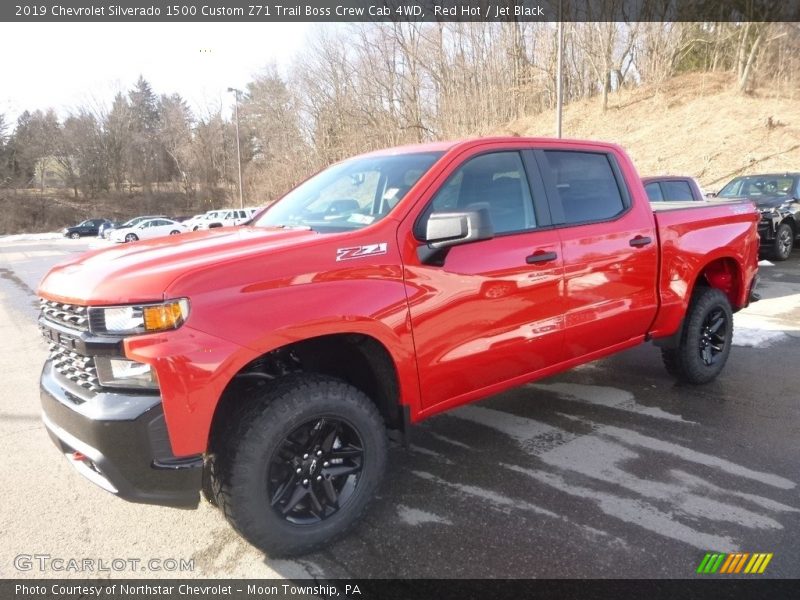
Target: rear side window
677, 190
586, 184
654, 192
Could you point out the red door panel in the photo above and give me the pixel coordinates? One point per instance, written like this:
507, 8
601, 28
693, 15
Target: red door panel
486, 316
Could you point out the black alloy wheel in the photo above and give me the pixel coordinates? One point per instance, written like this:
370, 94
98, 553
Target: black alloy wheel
784, 240
315, 470
297, 462
713, 336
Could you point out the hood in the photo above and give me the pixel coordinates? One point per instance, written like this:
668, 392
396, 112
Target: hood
141, 271
761, 201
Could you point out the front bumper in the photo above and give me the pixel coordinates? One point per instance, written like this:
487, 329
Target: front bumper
119, 441
766, 230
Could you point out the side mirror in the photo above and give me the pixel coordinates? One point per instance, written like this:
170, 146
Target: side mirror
454, 228
711, 194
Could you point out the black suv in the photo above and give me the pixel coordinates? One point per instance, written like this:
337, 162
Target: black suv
778, 199
88, 227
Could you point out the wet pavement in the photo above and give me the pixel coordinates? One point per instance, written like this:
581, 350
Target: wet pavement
609, 470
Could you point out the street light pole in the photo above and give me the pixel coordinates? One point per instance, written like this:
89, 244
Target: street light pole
559, 68
238, 144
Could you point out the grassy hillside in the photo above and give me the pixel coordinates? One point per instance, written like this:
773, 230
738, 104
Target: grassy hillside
694, 124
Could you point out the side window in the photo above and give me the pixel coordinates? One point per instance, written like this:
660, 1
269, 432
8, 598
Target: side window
653, 192
587, 185
496, 182
677, 190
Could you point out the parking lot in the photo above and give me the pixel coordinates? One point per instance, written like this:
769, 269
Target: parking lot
610, 470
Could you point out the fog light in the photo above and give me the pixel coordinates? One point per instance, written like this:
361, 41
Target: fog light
124, 373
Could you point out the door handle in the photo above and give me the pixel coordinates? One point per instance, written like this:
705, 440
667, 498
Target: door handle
540, 257
640, 241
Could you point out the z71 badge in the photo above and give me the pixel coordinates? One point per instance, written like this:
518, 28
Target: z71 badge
361, 251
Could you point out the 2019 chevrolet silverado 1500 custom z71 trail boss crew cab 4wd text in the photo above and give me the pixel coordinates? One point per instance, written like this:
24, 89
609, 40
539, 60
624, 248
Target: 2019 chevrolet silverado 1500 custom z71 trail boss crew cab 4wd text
266, 363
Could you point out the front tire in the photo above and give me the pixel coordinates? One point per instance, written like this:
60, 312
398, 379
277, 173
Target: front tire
784, 240
705, 341
74, 235
131, 237
174, 232
298, 465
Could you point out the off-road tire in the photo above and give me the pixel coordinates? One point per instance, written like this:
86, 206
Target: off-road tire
685, 362
258, 427
783, 242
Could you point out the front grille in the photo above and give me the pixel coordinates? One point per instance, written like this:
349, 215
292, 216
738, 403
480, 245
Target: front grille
75, 367
70, 315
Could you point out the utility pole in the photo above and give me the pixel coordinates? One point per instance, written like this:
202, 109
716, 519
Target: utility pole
559, 68
238, 143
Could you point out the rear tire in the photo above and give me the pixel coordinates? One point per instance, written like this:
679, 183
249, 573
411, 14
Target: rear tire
322, 426
783, 242
705, 341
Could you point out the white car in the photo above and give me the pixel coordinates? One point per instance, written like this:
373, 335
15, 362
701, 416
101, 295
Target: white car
194, 223
227, 218
149, 229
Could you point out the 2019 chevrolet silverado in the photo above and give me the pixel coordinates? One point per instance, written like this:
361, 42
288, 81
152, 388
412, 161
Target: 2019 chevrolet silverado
777, 197
267, 364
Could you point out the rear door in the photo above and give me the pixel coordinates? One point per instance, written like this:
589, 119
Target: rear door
609, 248
486, 312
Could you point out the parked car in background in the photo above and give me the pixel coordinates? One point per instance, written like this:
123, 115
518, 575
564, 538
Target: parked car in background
196, 221
228, 218
88, 227
777, 197
105, 232
672, 188
146, 230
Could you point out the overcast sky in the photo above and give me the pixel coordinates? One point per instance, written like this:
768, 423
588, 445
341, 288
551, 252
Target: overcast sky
62, 65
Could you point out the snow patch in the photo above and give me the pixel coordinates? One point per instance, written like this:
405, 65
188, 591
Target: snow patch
756, 338
415, 516
31, 237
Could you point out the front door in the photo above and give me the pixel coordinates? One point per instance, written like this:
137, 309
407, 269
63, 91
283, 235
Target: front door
490, 311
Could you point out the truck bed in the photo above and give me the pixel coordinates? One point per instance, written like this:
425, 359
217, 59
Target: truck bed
694, 234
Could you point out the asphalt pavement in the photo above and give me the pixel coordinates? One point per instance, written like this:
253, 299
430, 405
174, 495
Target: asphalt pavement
609, 470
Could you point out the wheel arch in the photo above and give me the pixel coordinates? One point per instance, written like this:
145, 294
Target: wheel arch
725, 274
359, 359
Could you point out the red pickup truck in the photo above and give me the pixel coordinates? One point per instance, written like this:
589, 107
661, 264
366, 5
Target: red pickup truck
267, 364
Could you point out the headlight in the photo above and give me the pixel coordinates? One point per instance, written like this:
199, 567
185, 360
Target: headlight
146, 318
124, 373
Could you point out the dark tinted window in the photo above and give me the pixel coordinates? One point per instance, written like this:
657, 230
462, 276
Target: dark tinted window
496, 182
677, 190
586, 185
653, 192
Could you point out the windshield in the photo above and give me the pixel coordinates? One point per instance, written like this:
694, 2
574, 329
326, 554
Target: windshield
768, 186
349, 195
